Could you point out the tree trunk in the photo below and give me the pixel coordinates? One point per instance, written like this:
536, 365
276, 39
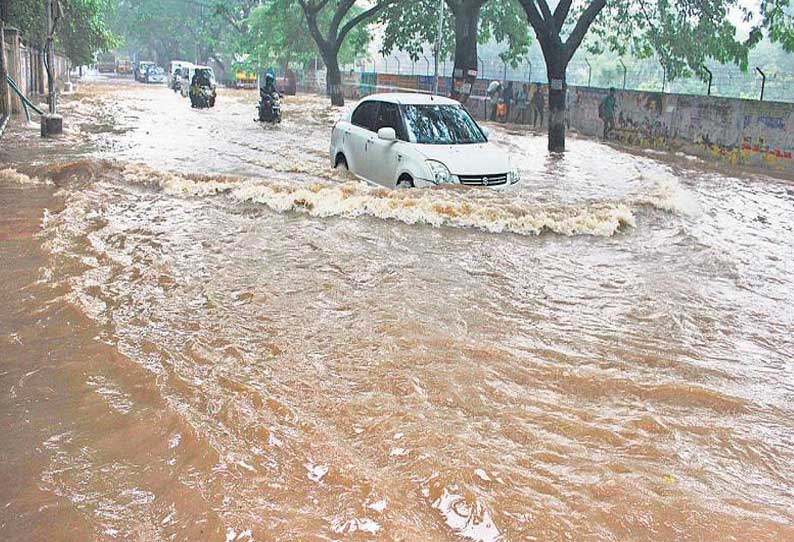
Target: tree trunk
467, 18
556, 67
333, 78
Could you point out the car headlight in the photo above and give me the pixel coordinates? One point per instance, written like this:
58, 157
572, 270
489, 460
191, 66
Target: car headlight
440, 172
514, 176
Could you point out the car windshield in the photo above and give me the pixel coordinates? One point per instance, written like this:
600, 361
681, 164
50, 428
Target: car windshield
441, 125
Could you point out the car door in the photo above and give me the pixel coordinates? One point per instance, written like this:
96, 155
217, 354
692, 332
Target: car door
383, 156
361, 124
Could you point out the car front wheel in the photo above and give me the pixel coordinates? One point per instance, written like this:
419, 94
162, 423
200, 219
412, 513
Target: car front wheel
405, 181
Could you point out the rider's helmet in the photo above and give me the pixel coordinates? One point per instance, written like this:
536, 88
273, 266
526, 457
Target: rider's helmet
270, 78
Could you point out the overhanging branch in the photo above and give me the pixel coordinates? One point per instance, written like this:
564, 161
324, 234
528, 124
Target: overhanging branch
582, 26
349, 25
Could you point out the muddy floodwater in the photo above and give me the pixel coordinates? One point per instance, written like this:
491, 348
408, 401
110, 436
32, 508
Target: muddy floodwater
207, 334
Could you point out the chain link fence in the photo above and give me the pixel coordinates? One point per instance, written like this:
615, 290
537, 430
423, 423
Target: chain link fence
726, 81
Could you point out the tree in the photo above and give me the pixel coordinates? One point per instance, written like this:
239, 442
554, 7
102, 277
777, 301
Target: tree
341, 19
683, 35
549, 28
82, 32
411, 25
279, 34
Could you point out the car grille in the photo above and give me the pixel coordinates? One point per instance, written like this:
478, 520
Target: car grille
484, 180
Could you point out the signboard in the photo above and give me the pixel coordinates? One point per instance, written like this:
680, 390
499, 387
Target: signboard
557, 84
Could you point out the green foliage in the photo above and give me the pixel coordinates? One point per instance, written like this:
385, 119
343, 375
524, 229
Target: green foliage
278, 34
411, 25
685, 36
80, 34
83, 32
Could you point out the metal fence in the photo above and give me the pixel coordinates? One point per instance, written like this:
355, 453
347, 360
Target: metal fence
726, 81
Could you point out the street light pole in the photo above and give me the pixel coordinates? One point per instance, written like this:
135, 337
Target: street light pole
438, 44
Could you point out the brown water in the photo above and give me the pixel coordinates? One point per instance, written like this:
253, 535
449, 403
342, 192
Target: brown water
208, 335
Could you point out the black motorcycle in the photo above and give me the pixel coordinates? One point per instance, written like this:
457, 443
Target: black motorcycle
269, 107
202, 96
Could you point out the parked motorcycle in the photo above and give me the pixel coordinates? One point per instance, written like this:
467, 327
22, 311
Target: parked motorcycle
269, 108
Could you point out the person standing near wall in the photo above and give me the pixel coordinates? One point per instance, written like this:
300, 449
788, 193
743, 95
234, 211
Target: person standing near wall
493, 98
522, 104
537, 106
606, 112
508, 99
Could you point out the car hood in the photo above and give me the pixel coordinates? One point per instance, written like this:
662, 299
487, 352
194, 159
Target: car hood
473, 159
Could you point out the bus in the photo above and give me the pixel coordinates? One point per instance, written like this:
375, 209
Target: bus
106, 63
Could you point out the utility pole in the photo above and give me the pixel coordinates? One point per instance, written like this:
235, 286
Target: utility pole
437, 52
51, 123
5, 94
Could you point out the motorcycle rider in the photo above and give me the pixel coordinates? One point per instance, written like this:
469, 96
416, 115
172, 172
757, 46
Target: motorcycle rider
267, 94
269, 88
200, 80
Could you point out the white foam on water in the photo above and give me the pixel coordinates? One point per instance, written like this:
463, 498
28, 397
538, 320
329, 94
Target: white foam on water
669, 195
13, 176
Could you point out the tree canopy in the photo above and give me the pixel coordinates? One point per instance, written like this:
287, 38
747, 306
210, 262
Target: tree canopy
81, 33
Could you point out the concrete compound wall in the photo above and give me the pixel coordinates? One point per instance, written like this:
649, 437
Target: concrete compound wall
741, 132
26, 66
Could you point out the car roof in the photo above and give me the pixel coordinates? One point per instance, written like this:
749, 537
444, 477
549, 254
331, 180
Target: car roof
409, 98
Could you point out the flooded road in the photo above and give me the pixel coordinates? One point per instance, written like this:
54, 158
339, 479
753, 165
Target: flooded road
207, 334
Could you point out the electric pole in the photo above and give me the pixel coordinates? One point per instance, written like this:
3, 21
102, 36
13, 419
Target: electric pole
51, 123
437, 51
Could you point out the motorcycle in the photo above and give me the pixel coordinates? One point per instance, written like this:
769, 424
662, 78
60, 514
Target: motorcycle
269, 108
202, 97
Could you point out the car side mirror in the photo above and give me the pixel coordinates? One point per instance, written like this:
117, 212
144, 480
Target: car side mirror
387, 134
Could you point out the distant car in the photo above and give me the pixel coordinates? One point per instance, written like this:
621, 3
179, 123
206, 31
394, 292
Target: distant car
405, 140
124, 66
154, 74
140, 69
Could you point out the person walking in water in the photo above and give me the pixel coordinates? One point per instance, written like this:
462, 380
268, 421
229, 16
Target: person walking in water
606, 111
537, 107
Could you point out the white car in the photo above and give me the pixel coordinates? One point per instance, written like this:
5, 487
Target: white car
174, 75
404, 140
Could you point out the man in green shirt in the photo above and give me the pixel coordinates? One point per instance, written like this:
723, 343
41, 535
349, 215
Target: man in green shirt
606, 111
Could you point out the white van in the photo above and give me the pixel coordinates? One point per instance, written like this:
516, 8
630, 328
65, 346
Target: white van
174, 79
187, 76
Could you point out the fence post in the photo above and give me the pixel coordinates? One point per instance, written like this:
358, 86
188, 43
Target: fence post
397, 59
589, 70
427, 71
504, 70
624, 72
482, 72
711, 76
529, 75
664, 77
763, 82
5, 96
